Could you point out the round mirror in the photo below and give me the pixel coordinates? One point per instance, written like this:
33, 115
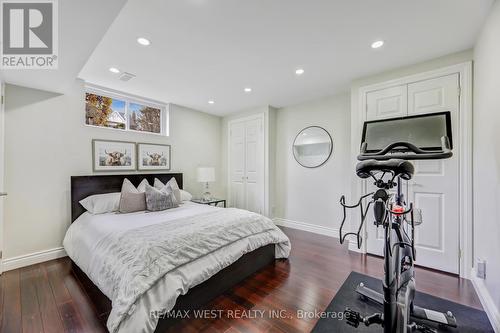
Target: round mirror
312, 147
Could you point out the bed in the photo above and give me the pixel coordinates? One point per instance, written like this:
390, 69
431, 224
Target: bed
138, 266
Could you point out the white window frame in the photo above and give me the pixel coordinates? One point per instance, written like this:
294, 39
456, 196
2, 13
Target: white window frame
128, 98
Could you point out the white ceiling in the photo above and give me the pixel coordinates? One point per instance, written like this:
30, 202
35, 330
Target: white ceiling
212, 49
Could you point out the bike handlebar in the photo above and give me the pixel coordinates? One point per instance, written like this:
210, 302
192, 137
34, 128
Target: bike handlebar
418, 154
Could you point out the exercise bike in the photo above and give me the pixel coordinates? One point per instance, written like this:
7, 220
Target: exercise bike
388, 168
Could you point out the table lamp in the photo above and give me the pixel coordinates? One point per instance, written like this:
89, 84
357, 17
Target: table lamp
206, 175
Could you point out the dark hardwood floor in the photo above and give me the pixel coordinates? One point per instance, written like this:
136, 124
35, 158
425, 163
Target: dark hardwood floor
47, 298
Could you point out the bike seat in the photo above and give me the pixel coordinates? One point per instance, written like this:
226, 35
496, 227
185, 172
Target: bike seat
398, 167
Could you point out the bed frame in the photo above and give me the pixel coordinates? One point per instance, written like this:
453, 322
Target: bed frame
248, 264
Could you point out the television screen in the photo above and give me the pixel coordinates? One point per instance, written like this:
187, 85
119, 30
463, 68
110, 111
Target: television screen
423, 131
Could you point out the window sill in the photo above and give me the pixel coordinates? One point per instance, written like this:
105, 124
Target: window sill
126, 131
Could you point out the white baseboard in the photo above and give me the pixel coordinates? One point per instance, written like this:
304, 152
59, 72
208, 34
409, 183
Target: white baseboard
486, 301
353, 246
317, 229
32, 258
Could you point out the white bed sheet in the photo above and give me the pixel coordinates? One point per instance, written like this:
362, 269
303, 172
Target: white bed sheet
88, 229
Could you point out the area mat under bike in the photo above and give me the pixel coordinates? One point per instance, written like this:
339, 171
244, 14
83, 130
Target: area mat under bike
469, 320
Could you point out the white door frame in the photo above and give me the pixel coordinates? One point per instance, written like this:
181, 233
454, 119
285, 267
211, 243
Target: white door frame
2, 168
262, 116
465, 162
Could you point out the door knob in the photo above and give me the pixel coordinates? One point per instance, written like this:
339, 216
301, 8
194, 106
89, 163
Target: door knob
3, 194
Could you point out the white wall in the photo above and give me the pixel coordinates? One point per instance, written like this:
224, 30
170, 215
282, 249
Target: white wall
311, 196
47, 142
486, 158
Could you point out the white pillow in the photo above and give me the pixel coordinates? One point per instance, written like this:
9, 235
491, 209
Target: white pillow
142, 186
101, 203
186, 196
173, 184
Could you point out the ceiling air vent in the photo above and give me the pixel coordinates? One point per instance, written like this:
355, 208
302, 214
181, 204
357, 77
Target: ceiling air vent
126, 76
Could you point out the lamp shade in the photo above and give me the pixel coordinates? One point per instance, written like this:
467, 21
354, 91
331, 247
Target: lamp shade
206, 174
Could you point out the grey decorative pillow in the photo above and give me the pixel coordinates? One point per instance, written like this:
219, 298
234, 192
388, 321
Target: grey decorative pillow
132, 199
160, 199
132, 202
173, 184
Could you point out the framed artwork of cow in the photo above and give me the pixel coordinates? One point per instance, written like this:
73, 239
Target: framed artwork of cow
113, 155
153, 156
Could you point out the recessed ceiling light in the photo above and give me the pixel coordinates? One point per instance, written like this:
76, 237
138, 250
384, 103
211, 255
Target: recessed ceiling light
299, 71
211, 102
143, 41
114, 70
247, 90
377, 44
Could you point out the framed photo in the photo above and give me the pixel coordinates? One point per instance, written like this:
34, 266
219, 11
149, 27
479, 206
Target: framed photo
113, 155
153, 156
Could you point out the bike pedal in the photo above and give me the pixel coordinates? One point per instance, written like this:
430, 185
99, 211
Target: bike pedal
352, 317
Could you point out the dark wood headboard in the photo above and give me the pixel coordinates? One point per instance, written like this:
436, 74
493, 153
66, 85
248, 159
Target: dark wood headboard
83, 186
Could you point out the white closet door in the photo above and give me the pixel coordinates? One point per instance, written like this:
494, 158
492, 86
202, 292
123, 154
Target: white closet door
237, 164
434, 95
254, 142
246, 165
435, 184
387, 103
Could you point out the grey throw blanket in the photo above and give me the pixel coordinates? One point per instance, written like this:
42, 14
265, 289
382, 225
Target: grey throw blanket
126, 265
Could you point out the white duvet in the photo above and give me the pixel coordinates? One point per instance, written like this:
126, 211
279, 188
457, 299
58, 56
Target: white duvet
144, 261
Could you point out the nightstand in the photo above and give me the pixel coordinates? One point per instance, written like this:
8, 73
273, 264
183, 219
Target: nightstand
211, 202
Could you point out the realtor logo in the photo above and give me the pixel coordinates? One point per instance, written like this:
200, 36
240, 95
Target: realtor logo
29, 34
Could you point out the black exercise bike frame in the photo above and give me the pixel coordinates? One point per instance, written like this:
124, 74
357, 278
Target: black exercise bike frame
397, 244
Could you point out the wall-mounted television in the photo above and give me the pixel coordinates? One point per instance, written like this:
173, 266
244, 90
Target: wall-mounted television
424, 131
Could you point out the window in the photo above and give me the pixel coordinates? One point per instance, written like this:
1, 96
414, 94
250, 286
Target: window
104, 111
144, 118
121, 112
